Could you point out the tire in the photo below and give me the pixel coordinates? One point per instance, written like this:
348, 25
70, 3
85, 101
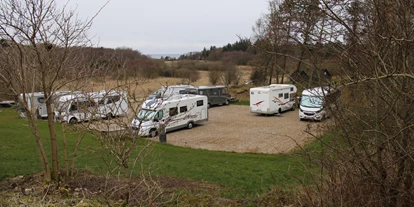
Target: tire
190, 125
152, 133
110, 116
293, 107
227, 102
73, 121
280, 110
208, 105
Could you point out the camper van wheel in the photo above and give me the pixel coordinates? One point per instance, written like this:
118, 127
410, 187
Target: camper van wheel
108, 116
227, 102
73, 121
280, 110
190, 125
293, 107
153, 133
208, 105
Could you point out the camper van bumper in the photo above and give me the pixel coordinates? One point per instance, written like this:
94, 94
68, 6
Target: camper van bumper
141, 130
310, 115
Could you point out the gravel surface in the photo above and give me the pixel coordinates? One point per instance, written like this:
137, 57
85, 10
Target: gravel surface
234, 128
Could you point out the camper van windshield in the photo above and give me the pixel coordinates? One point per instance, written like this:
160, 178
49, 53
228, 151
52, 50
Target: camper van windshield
145, 114
311, 101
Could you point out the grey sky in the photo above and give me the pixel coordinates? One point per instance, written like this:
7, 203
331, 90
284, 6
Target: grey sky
170, 26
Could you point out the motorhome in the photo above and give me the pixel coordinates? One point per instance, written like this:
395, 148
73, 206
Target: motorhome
110, 104
35, 103
166, 92
272, 99
217, 95
74, 108
313, 104
179, 111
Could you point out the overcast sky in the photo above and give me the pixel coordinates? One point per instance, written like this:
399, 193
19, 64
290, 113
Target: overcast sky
170, 26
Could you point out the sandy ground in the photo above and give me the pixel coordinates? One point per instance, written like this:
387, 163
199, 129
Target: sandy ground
233, 128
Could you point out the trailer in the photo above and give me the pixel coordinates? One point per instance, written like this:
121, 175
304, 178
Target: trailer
177, 112
272, 99
35, 103
110, 104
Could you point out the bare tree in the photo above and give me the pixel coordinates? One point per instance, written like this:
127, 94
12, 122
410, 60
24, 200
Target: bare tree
42, 54
372, 141
369, 160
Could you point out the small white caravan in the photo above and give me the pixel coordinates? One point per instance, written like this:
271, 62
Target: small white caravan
179, 111
313, 103
110, 103
165, 92
74, 108
272, 99
35, 103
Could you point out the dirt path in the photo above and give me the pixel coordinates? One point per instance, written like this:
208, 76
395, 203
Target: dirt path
233, 128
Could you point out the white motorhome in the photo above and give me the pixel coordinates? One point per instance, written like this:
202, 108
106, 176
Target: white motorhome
74, 108
179, 111
35, 103
110, 103
272, 99
165, 92
312, 104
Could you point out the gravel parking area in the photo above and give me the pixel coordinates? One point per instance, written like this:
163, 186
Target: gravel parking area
234, 128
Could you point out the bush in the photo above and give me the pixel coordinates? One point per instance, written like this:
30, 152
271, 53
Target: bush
258, 76
214, 77
187, 74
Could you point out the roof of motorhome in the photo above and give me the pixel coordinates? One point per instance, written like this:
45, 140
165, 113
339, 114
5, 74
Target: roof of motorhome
318, 91
69, 97
154, 103
275, 86
211, 87
103, 93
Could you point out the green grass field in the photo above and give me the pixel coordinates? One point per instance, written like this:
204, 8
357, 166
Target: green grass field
240, 175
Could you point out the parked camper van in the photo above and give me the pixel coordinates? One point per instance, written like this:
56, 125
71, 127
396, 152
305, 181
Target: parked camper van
217, 95
35, 103
110, 103
272, 99
74, 108
166, 92
179, 111
312, 104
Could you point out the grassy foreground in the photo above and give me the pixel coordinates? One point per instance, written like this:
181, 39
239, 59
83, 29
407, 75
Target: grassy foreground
241, 175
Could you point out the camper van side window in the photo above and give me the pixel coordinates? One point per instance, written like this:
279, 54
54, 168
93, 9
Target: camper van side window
286, 95
73, 107
280, 95
183, 109
113, 99
173, 111
200, 103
